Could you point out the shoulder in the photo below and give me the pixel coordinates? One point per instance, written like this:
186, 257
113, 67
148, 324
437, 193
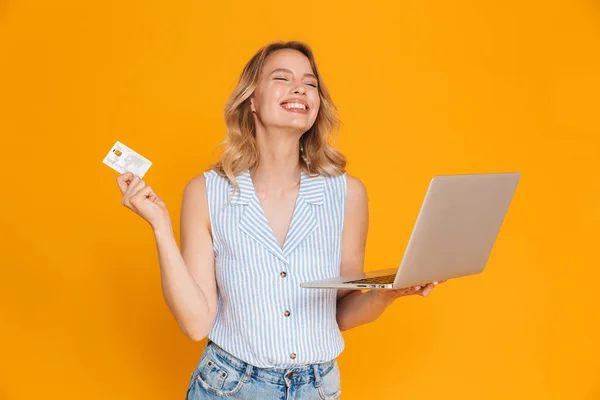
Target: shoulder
208, 188
198, 186
357, 201
194, 205
200, 180
347, 186
206, 179
356, 190
195, 189
355, 185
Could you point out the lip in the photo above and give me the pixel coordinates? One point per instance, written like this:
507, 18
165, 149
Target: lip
296, 100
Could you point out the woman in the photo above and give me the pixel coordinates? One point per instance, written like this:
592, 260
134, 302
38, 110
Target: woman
276, 210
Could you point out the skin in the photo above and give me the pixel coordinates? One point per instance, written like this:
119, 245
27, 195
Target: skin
187, 275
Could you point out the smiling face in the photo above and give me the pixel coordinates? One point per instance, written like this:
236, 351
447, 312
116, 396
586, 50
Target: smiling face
287, 95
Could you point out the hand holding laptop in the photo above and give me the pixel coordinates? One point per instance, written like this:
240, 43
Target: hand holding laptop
453, 236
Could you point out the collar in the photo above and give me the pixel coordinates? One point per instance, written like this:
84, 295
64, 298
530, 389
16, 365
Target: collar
311, 188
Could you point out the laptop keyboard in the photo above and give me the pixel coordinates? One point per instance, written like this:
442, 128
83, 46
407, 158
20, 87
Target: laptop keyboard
378, 279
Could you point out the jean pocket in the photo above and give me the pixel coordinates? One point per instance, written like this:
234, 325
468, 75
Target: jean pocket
330, 388
216, 376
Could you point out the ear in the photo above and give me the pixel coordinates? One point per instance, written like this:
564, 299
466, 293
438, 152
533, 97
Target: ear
252, 104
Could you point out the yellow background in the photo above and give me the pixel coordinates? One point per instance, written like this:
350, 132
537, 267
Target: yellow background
423, 88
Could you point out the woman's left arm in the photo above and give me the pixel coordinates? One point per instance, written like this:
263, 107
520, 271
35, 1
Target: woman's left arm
355, 307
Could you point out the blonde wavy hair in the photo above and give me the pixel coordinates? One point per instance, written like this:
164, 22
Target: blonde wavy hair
240, 151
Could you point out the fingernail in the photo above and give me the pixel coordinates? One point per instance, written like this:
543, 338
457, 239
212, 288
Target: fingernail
418, 287
435, 283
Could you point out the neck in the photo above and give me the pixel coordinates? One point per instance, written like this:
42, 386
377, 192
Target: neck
279, 166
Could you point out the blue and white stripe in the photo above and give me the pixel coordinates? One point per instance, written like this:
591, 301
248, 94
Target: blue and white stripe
252, 293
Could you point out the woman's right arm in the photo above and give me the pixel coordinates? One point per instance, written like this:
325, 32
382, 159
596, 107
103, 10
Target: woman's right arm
187, 276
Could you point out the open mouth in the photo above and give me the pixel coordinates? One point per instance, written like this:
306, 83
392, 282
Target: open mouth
294, 106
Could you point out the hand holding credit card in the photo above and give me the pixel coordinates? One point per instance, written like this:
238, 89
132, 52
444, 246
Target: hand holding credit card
137, 196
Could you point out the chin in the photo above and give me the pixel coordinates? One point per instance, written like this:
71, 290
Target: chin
300, 127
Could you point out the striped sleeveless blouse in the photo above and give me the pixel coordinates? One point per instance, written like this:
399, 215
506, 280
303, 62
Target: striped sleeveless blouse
264, 317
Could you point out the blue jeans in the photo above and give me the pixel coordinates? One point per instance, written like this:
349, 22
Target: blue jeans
221, 375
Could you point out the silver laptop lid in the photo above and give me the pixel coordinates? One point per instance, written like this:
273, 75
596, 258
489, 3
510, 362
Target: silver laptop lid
457, 226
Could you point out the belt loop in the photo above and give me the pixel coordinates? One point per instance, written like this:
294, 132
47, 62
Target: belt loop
247, 373
317, 375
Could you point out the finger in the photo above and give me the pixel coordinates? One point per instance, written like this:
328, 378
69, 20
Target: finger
410, 290
135, 186
395, 293
131, 182
156, 199
141, 195
139, 186
405, 292
126, 200
427, 289
123, 181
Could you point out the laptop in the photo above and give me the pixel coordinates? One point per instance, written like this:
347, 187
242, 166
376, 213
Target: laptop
453, 236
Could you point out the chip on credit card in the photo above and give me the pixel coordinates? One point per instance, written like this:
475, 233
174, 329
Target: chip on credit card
122, 159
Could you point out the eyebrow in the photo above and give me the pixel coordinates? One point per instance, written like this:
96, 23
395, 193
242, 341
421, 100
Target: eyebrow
290, 72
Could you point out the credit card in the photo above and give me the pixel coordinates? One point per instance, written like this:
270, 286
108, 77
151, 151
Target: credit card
122, 159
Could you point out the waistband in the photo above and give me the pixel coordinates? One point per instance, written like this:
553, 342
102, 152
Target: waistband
295, 375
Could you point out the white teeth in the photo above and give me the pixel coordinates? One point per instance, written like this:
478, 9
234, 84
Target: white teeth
295, 105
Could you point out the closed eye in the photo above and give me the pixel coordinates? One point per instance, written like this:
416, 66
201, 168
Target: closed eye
279, 78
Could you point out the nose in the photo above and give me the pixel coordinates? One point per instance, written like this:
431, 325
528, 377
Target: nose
299, 89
